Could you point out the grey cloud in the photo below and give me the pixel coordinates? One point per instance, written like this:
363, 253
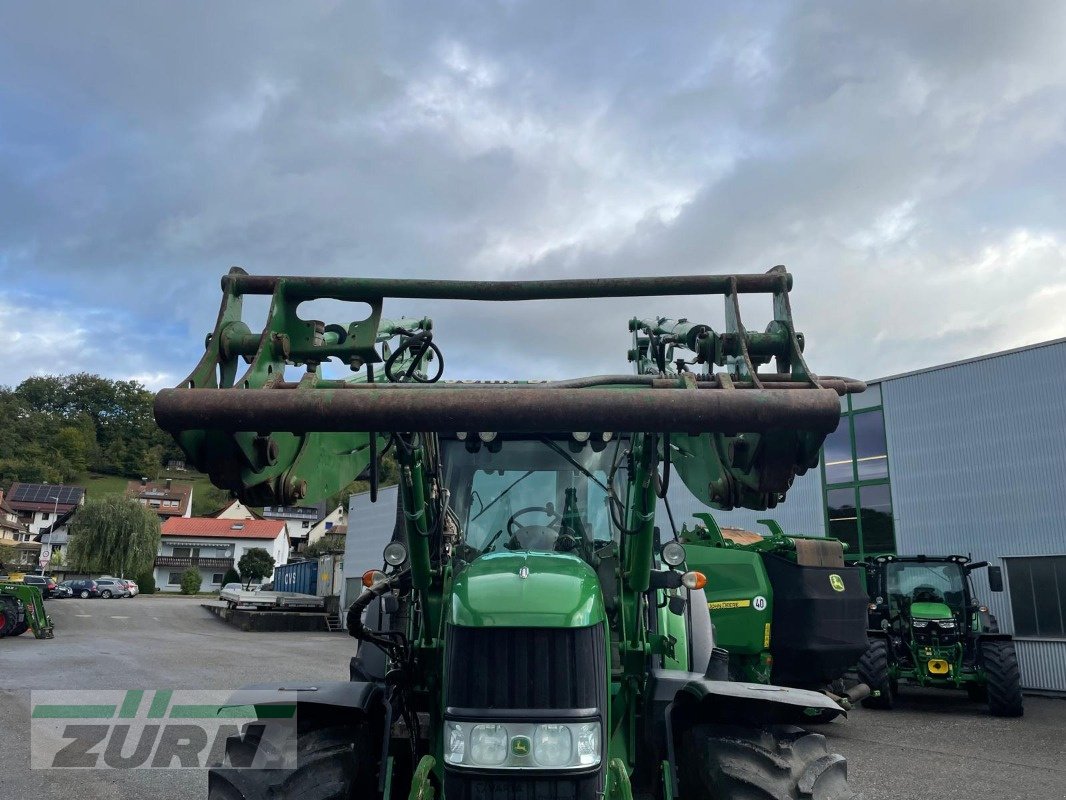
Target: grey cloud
901, 159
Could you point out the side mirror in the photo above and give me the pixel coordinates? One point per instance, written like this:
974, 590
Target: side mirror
995, 579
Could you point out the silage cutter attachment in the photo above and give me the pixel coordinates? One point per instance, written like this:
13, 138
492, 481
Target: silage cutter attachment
737, 436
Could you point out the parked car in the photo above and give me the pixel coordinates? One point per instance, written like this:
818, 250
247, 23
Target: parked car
84, 589
46, 584
134, 590
112, 587
63, 590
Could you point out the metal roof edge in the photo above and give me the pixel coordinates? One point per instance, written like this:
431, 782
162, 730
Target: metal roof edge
971, 360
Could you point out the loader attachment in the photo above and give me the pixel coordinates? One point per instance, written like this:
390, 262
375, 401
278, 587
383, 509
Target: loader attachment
736, 437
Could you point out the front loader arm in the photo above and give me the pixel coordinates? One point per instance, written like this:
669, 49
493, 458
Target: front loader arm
736, 437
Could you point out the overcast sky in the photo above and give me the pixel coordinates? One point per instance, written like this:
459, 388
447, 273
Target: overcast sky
906, 161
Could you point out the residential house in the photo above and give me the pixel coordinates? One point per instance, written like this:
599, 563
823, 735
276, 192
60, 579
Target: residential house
166, 498
213, 545
55, 538
235, 509
38, 504
298, 521
335, 522
16, 535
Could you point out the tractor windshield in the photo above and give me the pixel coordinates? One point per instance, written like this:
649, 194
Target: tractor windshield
540, 494
910, 582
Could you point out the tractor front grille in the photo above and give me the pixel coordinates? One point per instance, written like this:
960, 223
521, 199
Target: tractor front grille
537, 669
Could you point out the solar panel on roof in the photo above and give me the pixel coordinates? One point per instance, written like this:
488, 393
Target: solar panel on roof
46, 493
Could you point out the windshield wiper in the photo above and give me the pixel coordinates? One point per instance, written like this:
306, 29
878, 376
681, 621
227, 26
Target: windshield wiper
501, 494
576, 463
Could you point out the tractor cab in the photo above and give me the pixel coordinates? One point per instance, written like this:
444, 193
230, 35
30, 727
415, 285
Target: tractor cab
540, 494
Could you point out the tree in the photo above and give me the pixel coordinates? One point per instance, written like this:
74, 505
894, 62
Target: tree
114, 535
56, 559
190, 581
330, 543
255, 564
231, 576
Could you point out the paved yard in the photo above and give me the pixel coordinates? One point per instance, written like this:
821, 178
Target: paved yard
934, 746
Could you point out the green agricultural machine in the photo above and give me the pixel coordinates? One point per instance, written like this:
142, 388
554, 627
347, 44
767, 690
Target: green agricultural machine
928, 629
785, 607
21, 610
525, 639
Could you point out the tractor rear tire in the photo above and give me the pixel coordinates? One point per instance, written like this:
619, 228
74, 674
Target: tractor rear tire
773, 763
1004, 679
334, 762
873, 671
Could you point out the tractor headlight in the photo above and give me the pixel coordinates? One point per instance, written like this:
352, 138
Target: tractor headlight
920, 623
523, 745
553, 745
945, 623
488, 745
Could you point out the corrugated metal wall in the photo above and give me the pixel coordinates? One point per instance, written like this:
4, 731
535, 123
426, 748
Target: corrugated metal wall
801, 513
977, 460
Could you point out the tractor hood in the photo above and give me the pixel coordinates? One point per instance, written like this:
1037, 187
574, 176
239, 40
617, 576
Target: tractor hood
527, 590
930, 611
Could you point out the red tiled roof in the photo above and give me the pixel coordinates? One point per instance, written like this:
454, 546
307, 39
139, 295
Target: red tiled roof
223, 528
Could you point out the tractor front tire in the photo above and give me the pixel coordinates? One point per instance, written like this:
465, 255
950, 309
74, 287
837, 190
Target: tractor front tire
9, 616
873, 671
1004, 679
773, 763
19, 629
333, 762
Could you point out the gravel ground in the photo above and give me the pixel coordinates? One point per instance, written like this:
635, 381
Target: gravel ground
933, 746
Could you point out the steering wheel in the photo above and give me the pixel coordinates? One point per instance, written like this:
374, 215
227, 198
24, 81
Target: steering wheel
534, 537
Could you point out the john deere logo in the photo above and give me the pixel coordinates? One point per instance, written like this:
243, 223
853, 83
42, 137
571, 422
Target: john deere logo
520, 746
836, 582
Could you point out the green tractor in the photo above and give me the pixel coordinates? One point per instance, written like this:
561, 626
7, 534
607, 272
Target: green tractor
928, 629
526, 637
21, 610
785, 607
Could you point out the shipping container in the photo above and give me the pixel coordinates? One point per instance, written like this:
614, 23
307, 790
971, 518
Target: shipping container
297, 576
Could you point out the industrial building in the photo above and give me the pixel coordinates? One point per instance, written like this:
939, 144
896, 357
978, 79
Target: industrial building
967, 458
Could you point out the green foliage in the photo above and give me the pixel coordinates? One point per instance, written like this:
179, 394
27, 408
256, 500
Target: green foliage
255, 565
231, 576
8, 554
145, 581
58, 426
190, 581
113, 535
56, 560
330, 543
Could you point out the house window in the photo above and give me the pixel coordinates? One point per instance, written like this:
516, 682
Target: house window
1038, 596
306, 524
174, 579
217, 577
858, 496
186, 552
45, 516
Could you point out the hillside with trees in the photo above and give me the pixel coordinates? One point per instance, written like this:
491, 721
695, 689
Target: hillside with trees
54, 428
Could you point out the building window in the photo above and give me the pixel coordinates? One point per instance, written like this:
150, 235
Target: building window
1038, 596
217, 577
858, 497
45, 516
174, 579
